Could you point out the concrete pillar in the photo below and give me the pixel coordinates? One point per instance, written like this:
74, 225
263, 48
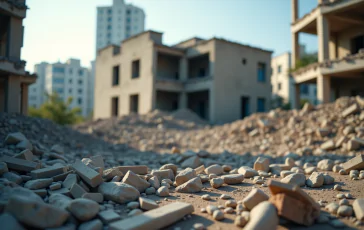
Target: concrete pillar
211, 106
15, 37
183, 100
323, 89
13, 94
295, 49
323, 33
183, 69
297, 97
24, 99
294, 10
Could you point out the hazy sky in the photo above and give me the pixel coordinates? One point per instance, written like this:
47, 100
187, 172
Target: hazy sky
58, 30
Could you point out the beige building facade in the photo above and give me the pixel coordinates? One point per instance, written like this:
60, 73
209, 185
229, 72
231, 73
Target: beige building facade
219, 80
339, 28
14, 80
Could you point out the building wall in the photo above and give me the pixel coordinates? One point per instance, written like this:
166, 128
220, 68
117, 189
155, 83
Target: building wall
139, 48
37, 90
233, 79
344, 40
117, 22
283, 77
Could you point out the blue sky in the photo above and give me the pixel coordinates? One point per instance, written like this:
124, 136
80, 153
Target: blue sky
58, 30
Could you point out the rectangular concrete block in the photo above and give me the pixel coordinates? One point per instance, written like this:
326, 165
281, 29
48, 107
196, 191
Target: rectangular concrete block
98, 161
48, 172
20, 164
61, 177
97, 197
77, 191
137, 169
90, 176
358, 206
63, 191
25, 155
354, 163
350, 110
155, 219
108, 216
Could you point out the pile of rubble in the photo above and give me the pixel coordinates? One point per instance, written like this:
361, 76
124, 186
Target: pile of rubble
53, 177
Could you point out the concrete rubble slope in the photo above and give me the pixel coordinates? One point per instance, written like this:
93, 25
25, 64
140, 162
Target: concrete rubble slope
155, 171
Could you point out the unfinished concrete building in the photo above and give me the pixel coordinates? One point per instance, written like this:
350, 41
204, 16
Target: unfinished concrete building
14, 80
219, 80
339, 26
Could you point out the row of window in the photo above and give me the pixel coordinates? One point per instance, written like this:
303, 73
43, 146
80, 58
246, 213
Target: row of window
135, 72
62, 70
61, 81
109, 11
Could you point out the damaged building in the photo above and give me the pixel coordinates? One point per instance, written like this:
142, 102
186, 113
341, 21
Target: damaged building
219, 80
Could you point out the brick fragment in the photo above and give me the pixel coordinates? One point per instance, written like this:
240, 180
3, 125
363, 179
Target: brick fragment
158, 218
90, 176
20, 164
48, 172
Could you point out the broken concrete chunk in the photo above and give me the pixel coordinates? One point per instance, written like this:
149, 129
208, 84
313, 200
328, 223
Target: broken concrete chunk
328, 179
163, 174
154, 182
200, 169
158, 218
254, 198
134, 180
118, 192
20, 164
192, 162
57, 149
70, 180
316, 180
38, 184
14, 138
295, 179
147, 204
59, 200
137, 169
3, 168
97, 197
48, 172
185, 176
216, 182
247, 172
36, 214
325, 165
10, 176
354, 163
108, 216
91, 225
233, 178
109, 174
191, 186
77, 191
350, 110
215, 169
162, 191
173, 167
83, 209
25, 155
358, 206
262, 164
328, 145
263, 216
90, 176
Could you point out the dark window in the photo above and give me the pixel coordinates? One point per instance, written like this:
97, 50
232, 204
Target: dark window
245, 107
279, 86
108, 35
357, 43
109, 11
135, 69
115, 75
127, 19
134, 103
80, 82
243, 61
80, 72
109, 27
128, 28
304, 89
79, 100
58, 80
202, 72
260, 105
58, 70
69, 90
279, 68
261, 72
115, 106
128, 12
176, 76
70, 80
70, 71
79, 90
109, 19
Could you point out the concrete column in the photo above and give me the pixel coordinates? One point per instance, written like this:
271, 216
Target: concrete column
323, 33
183, 69
323, 89
13, 94
295, 49
24, 99
183, 100
294, 10
297, 97
211, 106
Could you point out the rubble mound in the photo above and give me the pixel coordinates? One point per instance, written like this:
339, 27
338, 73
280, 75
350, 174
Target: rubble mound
187, 115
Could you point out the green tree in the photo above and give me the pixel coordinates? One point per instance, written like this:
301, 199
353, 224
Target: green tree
305, 61
55, 109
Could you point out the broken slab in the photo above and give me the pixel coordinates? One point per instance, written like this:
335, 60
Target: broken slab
137, 169
185, 175
38, 183
90, 176
163, 174
158, 218
48, 172
109, 174
316, 180
233, 178
36, 214
108, 216
77, 191
19, 164
70, 180
328, 145
254, 198
147, 204
295, 179
358, 206
263, 216
134, 180
293, 191
118, 192
191, 186
354, 163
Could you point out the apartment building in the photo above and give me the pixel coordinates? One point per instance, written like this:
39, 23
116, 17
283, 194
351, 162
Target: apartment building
283, 85
14, 80
338, 25
117, 22
220, 80
68, 79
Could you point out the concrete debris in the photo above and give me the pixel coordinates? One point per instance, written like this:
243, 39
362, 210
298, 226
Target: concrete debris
263, 216
255, 197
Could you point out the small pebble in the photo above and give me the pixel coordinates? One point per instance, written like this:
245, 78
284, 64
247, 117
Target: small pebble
206, 197
218, 215
337, 187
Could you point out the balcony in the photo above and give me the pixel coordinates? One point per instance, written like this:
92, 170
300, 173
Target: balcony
12, 66
16, 8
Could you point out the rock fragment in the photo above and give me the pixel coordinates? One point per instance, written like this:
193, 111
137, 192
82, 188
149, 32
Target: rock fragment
118, 192
255, 197
191, 186
263, 216
83, 209
134, 180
